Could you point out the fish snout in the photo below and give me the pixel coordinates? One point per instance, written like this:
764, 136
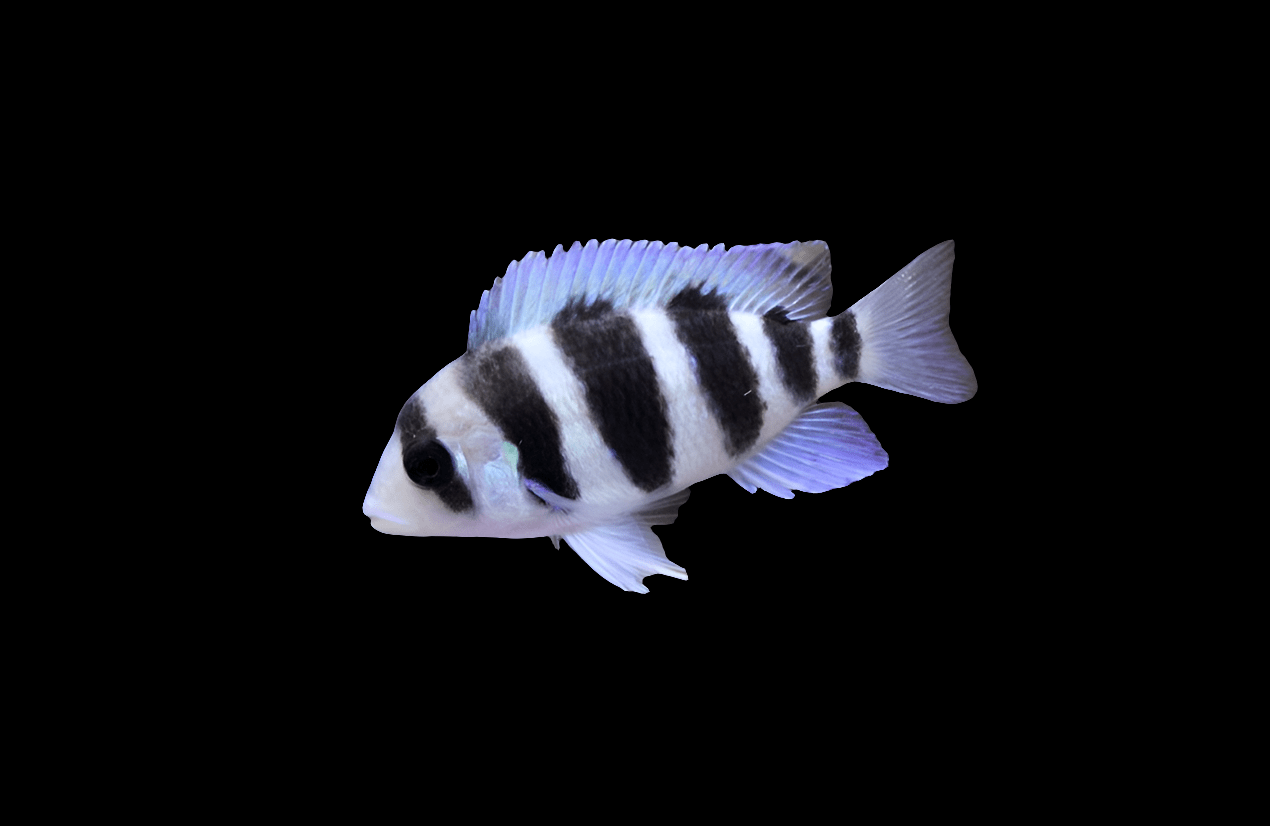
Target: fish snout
376, 510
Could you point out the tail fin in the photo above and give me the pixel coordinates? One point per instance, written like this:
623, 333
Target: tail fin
905, 342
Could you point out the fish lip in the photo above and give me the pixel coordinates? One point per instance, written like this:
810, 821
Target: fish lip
372, 508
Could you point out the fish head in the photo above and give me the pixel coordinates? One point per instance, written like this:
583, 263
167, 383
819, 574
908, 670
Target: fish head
449, 471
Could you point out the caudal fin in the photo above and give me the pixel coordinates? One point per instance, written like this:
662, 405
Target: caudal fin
905, 342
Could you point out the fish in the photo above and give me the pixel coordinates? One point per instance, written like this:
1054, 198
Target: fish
600, 383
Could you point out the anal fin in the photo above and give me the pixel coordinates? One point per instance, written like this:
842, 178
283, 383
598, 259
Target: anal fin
829, 446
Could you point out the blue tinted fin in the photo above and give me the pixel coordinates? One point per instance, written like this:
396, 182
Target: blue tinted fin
626, 552
663, 511
829, 446
905, 341
646, 274
546, 494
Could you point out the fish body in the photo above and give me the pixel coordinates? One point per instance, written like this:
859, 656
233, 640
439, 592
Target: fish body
600, 383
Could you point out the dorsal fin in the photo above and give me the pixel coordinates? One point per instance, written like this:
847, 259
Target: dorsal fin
759, 278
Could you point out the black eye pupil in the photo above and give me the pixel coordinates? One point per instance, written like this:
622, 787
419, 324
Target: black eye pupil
428, 464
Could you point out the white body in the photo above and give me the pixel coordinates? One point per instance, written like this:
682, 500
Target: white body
903, 342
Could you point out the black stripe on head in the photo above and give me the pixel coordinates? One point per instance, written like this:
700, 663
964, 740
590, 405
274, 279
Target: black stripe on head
417, 436
499, 381
722, 364
845, 343
609, 358
795, 353
413, 422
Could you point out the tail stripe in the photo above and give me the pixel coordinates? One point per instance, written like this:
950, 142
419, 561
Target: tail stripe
846, 346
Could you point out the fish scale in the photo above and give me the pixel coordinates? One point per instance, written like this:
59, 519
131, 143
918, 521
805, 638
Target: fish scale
623, 394
600, 383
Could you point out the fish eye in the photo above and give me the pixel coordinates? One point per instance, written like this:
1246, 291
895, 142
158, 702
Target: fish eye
428, 464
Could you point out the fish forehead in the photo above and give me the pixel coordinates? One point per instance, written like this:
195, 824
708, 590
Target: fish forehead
451, 410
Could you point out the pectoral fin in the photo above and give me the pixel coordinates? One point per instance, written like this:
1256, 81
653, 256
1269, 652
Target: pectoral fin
627, 551
624, 554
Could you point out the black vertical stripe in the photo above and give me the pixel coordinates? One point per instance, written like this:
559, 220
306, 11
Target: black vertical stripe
845, 343
722, 365
608, 356
417, 435
795, 353
499, 381
412, 422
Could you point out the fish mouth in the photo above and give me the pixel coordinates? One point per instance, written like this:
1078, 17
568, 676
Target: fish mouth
373, 508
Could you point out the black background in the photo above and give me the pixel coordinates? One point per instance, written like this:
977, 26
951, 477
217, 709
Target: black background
387, 244
342, 229
415, 277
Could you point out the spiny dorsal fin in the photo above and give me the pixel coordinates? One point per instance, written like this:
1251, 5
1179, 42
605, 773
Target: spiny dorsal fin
645, 274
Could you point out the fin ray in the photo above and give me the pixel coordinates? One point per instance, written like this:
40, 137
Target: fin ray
636, 275
627, 551
906, 343
829, 446
624, 554
663, 511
